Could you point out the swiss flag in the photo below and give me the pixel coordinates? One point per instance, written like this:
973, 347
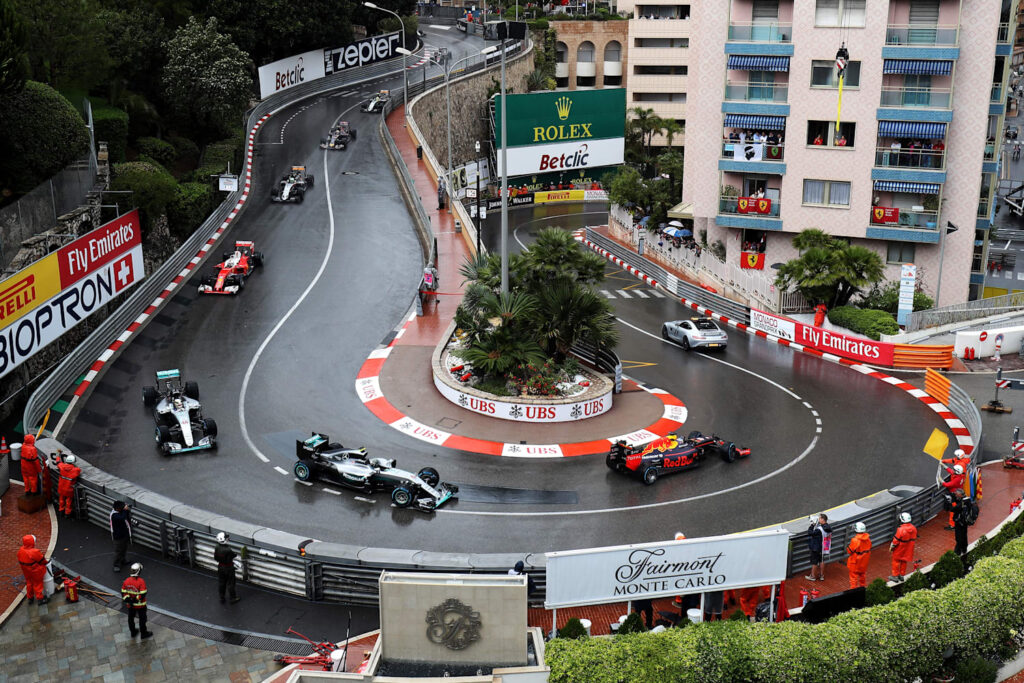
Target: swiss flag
124, 272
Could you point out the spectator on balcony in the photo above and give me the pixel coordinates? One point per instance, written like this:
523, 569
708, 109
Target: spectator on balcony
818, 140
894, 153
773, 139
841, 142
734, 136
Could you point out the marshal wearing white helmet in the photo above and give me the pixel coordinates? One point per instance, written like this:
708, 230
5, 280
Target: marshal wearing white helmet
225, 558
68, 472
902, 547
859, 552
134, 595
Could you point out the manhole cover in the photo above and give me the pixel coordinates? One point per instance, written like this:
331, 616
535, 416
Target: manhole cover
449, 423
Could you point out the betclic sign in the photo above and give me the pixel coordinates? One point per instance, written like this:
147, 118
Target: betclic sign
652, 570
291, 71
43, 301
362, 52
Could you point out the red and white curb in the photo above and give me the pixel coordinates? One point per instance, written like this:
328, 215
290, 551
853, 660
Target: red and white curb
956, 426
164, 296
368, 388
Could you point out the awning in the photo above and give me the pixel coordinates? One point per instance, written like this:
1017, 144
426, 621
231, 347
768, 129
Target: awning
682, 210
911, 129
758, 63
918, 67
756, 121
900, 186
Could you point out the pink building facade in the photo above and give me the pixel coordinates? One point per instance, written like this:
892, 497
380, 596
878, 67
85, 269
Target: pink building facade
911, 152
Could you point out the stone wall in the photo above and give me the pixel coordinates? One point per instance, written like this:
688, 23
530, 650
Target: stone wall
469, 110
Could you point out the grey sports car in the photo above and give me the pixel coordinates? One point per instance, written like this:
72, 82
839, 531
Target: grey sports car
695, 333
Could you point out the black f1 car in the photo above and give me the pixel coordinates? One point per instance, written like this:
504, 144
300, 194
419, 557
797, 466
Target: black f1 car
338, 137
377, 102
180, 425
293, 186
669, 455
319, 458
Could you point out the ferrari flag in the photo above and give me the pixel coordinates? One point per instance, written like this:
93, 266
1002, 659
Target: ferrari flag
752, 260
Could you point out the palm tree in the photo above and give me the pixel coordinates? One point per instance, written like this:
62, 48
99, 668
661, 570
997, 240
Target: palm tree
671, 128
812, 237
569, 313
856, 268
555, 255
811, 274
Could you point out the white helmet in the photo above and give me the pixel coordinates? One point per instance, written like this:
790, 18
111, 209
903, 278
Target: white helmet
959, 453
136, 569
70, 459
905, 517
859, 527
959, 469
222, 537
680, 536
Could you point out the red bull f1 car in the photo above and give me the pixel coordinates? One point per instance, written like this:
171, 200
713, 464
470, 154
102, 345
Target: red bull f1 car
669, 455
320, 458
230, 274
338, 137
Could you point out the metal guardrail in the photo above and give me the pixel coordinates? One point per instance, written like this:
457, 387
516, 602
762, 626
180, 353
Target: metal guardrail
716, 302
969, 310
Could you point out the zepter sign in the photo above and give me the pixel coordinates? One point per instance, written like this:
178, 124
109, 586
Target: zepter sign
362, 52
290, 72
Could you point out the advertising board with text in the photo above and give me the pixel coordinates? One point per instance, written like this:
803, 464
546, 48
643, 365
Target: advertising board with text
651, 570
564, 156
855, 348
43, 301
290, 72
362, 52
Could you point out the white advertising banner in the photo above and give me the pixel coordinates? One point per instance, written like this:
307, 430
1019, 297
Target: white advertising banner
362, 52
564, 156
774, 325
290, 72
522, 412
653, 570
908, 280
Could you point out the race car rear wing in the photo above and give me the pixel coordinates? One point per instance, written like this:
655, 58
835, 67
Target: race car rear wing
310, 444
164, 375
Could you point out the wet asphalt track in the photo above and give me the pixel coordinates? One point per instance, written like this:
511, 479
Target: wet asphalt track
355, 280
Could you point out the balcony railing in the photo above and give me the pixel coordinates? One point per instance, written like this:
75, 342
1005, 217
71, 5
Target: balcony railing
991, 151
756, 92
921, 34
761, 33
890, 217
916, 98
997, 93
752, 207
983, 208
887, 157
1004, 35
732, 149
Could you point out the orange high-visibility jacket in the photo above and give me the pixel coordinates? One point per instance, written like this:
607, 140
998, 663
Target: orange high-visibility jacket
859, 551
903, 543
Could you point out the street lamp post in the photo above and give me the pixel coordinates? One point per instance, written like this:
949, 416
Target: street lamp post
404, 51
479, 219
504, 171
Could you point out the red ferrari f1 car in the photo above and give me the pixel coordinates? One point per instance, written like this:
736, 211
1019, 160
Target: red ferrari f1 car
669, 455
230, 274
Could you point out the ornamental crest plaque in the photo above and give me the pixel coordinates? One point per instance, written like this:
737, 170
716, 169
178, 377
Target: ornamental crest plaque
453, 624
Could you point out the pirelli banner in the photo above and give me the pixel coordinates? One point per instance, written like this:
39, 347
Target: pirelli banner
43, 301
563, 131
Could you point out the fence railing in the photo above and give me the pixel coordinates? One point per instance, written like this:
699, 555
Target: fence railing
916, 98
969, 310
921, 34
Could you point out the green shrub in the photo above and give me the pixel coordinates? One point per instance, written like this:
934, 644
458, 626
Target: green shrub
573, 629
494, 385
111, 126
634, 623
887, 298
869, 322
738, 615
916, 582
977, 670
192, 203
949, 568
154, 189
216, 158
879, 593
40, 133
185, 149
160, 150
538, 24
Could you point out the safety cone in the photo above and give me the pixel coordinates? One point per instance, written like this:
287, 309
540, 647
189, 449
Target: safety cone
4, 450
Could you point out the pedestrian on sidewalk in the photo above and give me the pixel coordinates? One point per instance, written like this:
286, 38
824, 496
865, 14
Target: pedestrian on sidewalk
819, 542
69, 473
859, 552
225, 557
120, 532
133, 593
959, 458
902, 547
33, 566
30, 465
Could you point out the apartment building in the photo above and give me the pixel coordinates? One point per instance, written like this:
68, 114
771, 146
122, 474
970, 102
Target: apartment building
909, 152
590, 54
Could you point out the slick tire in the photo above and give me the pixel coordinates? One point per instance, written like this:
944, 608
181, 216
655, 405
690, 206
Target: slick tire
302, 471
650, 475
210, 426
429, 475
192, 390
401, 497
163, 435
729, 452
149, 396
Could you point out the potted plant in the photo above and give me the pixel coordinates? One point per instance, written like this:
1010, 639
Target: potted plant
931, 204
729, 194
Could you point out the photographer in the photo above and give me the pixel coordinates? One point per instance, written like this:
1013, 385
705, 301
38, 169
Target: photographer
120, 532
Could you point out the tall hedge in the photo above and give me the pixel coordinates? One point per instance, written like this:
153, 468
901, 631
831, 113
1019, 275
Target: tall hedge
111, 126
192, 203
216, 157
893, 642
867, 321
153, 189
40, 133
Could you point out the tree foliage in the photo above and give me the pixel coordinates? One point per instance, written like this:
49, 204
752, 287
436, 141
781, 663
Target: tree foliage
829, 270
13, 50
40, 133
206, 79
153, 189
67, 41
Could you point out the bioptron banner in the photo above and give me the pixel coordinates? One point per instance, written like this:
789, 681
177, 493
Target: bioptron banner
563, 131
292, 71
43, 301
856, 348
652, 570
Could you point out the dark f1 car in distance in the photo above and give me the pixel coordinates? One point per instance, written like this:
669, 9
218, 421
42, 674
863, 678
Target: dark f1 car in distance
319, 458
229, 276
669, 455
338, 137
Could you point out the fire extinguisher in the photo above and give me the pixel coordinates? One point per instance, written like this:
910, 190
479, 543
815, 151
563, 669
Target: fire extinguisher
71, 588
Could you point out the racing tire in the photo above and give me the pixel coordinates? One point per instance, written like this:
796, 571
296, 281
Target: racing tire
210, 426
729, 452
163, 434
401, 497
299, 197
429, 475
353, 133
685, 344
309, 180
257, 259
150, 396
302, 471
192, 390
650, 475
610, 461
